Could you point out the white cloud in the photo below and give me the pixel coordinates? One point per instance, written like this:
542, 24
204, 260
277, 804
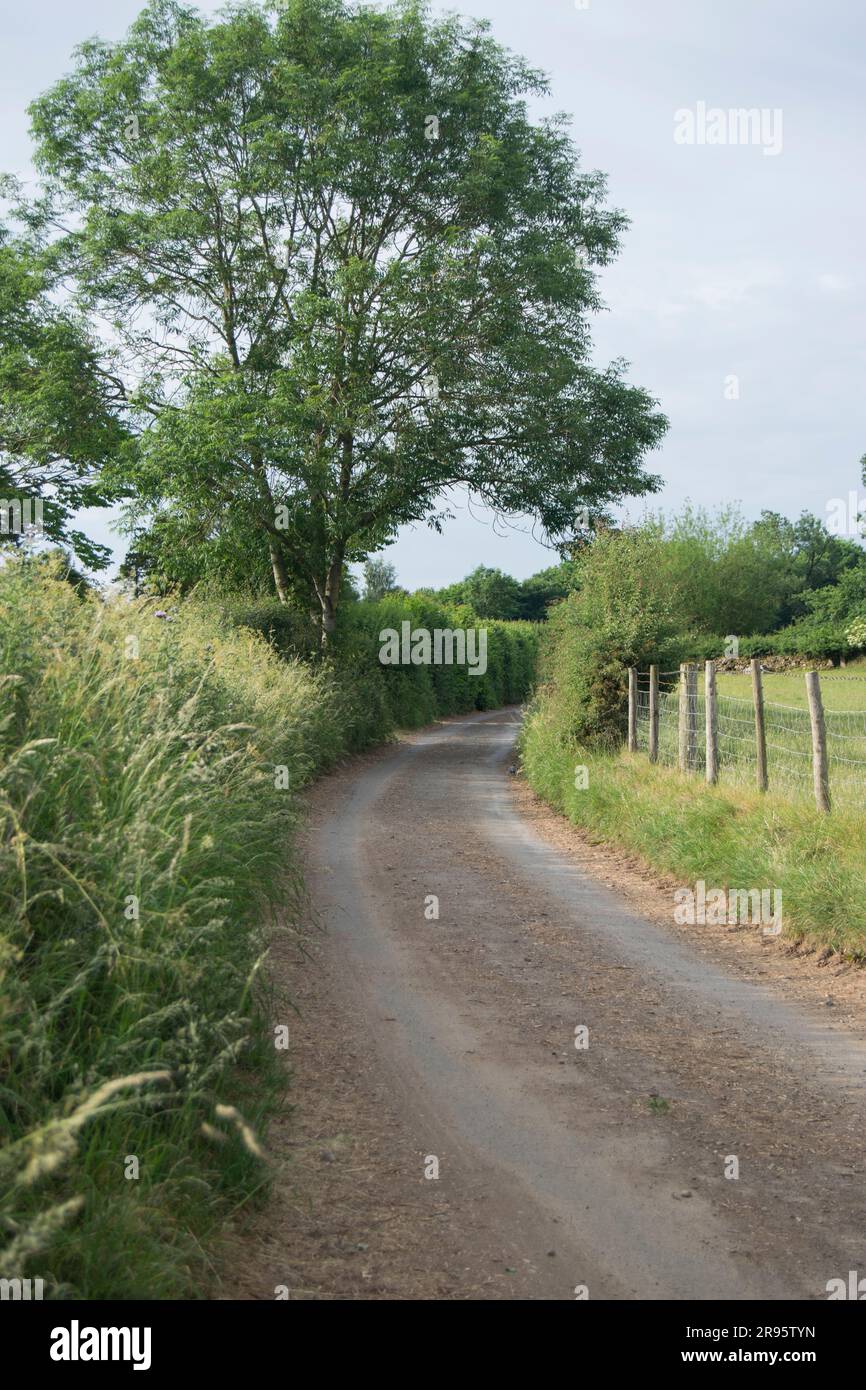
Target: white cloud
833, 284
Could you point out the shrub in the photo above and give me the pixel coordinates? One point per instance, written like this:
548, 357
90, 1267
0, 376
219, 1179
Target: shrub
856, 634
622, 615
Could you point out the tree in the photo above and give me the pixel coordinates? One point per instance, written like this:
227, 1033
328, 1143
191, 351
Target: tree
808, 556
173, 555
380, 577
58, 406
491, 594
542, 590
728, 577
350, 273
623, 612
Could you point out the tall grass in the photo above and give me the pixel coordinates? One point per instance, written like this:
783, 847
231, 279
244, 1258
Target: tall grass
141, 838
149, 771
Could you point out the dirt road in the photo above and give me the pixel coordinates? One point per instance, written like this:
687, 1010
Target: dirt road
447, 1044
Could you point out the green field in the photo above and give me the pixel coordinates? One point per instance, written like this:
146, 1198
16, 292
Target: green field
788, 730
841, 690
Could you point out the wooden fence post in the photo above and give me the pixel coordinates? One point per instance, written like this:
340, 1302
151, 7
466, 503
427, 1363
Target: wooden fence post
688, 717
682, 721
632, 709
693, 716
820, 769
760, 729
654, 715
712, 722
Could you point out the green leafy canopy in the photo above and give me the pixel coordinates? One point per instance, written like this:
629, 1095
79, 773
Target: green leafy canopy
58, 421
351, 272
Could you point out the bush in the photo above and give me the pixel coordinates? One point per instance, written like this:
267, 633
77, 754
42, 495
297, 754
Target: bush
804, 638
622, 615
856, 634
414, 695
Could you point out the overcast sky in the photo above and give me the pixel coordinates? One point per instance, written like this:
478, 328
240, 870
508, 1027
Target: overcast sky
738, 297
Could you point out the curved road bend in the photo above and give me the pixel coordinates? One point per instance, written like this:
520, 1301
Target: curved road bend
615, 1155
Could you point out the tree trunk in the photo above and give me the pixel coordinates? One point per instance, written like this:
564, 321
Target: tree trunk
329, 597
328, 624
281, 579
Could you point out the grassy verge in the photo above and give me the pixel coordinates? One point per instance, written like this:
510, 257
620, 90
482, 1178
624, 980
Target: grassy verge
728, 837
149, 771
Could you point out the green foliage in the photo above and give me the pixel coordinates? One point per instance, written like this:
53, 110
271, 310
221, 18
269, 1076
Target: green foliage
416, 694
831, 613
356, 308
493, 594
380, 577
175, 555
816, 559
675, 590
856, 634
541, 591
721, 577
843, 601
58, 420
488, 592
623, 614
805, 638
727, 576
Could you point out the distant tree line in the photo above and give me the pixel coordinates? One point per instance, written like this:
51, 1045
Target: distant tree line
717, 573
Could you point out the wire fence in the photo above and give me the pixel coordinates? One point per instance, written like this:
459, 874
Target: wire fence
791, 755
